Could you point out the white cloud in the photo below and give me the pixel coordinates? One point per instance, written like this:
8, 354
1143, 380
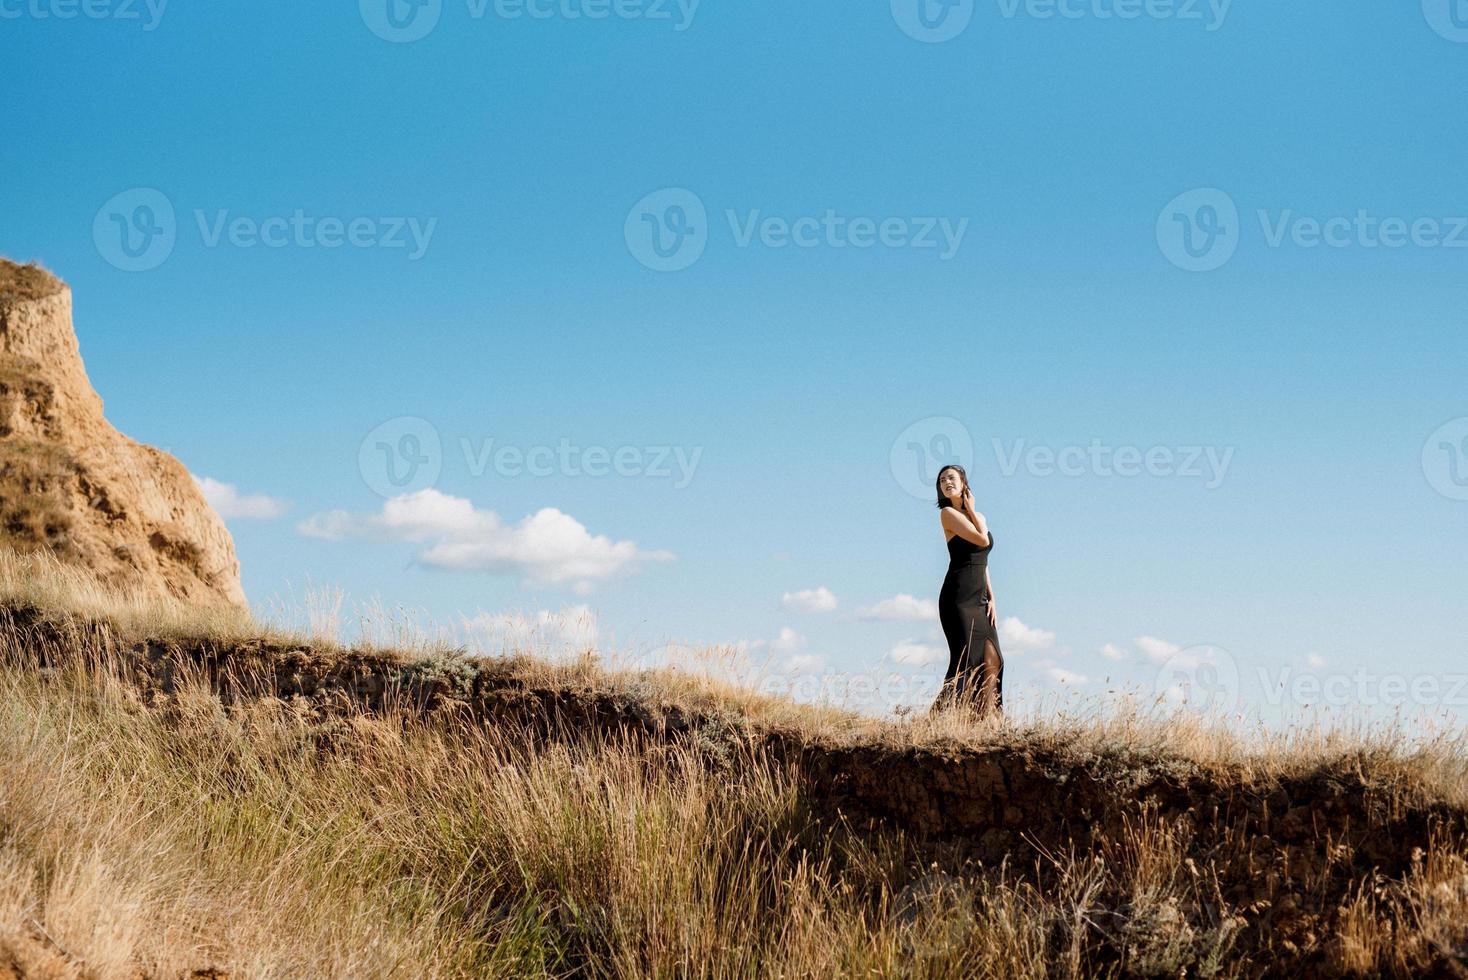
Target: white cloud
687, 655
810, 600
330, 526
229, 503
918, 654
1015, 635
903, 607
1113, 652
787, 642
806, 663
785, 653
1062, 676
1156, 649
573, 629
1314, 661
782, 656
548, 547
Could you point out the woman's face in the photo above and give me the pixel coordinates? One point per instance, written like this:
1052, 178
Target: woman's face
951, 484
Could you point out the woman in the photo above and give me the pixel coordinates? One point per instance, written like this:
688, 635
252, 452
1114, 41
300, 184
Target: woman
975, 675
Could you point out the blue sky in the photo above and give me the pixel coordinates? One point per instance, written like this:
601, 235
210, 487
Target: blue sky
1236, 229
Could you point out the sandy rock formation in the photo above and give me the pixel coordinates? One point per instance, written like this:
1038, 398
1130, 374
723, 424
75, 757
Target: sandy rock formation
73, 485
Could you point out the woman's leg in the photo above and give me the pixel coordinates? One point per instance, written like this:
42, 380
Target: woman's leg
990, 695
955, 681
965, 683
953, 633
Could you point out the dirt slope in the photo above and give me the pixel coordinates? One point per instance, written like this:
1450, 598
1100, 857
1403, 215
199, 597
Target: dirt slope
72, 485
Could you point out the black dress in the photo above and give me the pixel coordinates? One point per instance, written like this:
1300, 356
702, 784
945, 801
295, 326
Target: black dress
975, 665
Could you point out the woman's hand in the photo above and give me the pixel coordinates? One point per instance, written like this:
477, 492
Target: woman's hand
968, 502
993, 615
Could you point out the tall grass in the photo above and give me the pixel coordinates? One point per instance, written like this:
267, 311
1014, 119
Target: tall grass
40, 580
172, 837
266, 844
726, 680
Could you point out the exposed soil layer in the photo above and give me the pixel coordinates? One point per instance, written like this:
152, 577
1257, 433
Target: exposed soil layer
1282, 856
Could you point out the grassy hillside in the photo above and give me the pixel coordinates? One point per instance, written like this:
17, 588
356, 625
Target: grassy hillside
184, 798
21, 283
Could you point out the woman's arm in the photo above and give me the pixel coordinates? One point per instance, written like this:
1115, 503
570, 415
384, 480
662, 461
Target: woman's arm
989, 588
970, 528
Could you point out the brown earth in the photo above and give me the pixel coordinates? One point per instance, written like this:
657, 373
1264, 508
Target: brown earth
1282, 863
73, 486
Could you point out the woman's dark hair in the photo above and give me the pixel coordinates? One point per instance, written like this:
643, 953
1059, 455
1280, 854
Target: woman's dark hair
938, 483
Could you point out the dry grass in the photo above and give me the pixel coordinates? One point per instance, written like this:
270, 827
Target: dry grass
265, 841
22, 283
718, 681
38, 579
155, 834
406, 852
265, 844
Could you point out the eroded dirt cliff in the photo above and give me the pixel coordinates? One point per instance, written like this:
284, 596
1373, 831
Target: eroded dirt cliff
72, 485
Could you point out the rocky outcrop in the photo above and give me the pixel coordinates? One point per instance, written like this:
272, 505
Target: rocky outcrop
73, 486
